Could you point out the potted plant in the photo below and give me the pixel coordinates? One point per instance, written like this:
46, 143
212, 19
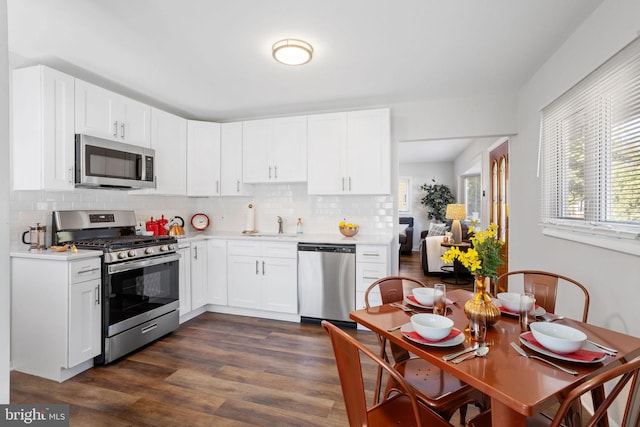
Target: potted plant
436, 199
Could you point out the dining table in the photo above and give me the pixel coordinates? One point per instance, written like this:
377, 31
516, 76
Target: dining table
517, 386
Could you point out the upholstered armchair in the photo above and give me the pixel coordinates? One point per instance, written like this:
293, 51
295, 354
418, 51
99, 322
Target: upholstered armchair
430, 249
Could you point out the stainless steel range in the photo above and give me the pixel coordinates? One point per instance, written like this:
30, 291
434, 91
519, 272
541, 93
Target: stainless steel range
139, 277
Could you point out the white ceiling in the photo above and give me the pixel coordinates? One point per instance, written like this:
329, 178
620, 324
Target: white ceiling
211, 59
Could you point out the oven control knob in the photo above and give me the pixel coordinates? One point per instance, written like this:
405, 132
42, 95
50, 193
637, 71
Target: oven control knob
122, 255
164, 248
131, 253
148, 251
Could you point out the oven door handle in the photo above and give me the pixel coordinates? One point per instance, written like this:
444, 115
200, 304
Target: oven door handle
126, 266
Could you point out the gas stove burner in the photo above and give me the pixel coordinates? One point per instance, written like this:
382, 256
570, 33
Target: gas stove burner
124, 242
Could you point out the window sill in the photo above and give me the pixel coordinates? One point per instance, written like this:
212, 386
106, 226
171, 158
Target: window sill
620, 244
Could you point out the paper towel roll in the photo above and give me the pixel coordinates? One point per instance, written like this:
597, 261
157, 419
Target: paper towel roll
249, 226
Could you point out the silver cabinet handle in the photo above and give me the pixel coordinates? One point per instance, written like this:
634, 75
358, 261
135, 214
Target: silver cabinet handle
97, 302
342, 183
263, 268
70, 175
275, 172
195, 252
269, 172
237, 186
88, 270
122, 128
349, 183
257, 267
115, 128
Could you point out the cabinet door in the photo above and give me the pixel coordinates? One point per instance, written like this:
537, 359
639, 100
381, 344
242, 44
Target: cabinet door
217, 272
289, 152
43, 104
169, 140
231, 182
84, 321
198, 274
184, 289
203, 159
135, 124
243, 286
279, 285
368, 152
327, 139
98, 111
257, 142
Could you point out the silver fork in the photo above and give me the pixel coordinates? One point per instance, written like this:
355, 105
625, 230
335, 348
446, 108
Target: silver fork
521, 352
403, 307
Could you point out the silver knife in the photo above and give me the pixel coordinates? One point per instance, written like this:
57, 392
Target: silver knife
607, 350
448, 357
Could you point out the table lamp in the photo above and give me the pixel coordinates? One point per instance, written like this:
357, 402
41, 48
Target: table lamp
456, 212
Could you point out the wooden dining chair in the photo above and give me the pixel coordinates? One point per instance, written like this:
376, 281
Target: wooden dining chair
544, 286
613, 395
400, 409
439, 390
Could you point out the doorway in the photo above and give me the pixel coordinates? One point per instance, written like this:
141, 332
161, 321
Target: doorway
499, 209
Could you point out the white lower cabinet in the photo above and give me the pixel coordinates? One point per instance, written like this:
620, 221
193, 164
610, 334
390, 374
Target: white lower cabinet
217, 272
372, 263
56, 312
184, 286
262, 275
198, 274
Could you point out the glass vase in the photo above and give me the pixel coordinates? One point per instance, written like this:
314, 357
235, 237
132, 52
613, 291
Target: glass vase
481, 303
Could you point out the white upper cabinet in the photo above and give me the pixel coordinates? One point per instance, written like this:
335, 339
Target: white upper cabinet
102, 113
43, 131
231, 182
275, 150
203, 159
350, 153
169, 140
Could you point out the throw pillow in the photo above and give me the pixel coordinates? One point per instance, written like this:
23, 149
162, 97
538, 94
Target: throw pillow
437, 229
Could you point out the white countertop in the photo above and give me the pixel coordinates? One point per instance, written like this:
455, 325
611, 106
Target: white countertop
56, 256
335, 238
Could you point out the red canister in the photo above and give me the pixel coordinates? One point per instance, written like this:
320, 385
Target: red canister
162, 226
152, 226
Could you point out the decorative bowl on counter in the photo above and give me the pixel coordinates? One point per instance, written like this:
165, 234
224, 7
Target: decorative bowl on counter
349, 231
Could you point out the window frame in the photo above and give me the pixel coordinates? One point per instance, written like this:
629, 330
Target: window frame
584, 115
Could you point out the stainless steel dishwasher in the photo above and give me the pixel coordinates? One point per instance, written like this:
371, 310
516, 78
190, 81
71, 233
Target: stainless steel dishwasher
326, 281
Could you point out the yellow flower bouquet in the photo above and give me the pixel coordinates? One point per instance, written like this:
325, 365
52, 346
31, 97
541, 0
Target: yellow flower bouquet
483, 258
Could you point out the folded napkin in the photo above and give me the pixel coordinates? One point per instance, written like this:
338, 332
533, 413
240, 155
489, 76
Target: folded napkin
582, 354
415, 301
417, 337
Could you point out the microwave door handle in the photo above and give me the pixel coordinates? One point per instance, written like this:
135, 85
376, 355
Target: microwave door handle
133, 265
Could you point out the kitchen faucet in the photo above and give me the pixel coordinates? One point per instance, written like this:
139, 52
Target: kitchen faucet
279, 225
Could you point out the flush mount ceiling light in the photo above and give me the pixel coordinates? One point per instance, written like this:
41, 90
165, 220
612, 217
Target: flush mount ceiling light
292, 52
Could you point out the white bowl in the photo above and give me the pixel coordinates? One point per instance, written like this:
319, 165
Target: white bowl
558, 338
431, 326
424, 295
510, 300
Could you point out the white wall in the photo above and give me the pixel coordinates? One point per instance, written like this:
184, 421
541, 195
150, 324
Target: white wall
5, 332
612, 278
423, 173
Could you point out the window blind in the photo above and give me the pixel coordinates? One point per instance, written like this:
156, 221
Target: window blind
590, 152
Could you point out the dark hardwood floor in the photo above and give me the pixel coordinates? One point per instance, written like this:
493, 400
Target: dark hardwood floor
215, 370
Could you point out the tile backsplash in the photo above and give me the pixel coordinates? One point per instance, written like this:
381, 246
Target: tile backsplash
320, 214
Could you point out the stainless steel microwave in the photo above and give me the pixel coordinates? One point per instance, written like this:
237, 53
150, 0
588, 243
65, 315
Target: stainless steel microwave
101, 163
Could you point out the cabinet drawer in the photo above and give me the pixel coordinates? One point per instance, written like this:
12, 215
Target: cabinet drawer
371, 253
85, 269
243, 248
279, 250
367, 273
